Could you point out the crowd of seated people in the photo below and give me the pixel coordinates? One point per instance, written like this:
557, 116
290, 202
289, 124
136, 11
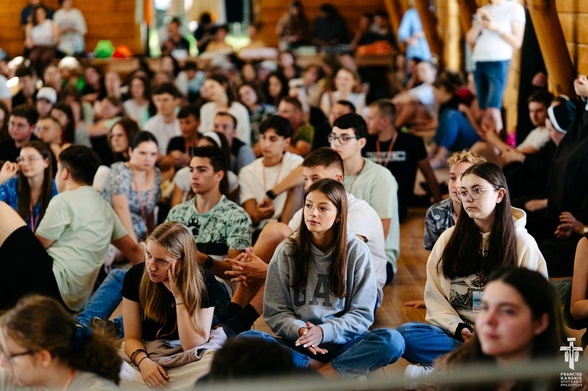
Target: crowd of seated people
251, 189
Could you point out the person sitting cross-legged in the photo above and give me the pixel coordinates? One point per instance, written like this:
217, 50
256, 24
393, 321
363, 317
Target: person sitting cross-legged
321, 291
63, 257
258, 178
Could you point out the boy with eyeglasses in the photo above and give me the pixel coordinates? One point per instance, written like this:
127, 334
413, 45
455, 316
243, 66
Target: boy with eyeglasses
21, 126
368, 181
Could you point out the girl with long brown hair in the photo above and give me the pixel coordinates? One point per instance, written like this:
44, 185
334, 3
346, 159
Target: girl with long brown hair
28, 186
169, 297
321, 290
489, 235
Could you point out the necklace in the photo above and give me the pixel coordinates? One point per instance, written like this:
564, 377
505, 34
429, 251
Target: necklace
136, 187
33, 220
356, 175
388, 155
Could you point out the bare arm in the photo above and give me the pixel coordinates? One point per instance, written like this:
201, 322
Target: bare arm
246, 266
132, 250
98, 129
177, 196
515, 39
404, 97
578, 301
29, 43
257, 213
386, 227
492, 138
301, 148
533, 205
46, 243
190, 335
121, 207
219, 268
8, 170
153, 374
473, 33
291, 181
528, 150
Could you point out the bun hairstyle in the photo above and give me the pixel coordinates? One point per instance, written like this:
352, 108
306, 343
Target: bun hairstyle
41, 323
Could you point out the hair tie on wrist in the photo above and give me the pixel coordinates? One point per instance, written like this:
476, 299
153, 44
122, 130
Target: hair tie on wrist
139, 363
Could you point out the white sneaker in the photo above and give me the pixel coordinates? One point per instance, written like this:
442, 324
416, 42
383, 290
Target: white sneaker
415, 373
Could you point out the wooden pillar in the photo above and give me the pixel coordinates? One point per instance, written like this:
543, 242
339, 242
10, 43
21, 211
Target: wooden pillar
395, 12
429, 27
553, 46
467, 8
452, 37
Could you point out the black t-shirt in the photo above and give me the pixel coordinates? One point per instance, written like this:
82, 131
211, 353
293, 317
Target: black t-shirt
407, 152
101, 146
321, 135
9, 151
151, 329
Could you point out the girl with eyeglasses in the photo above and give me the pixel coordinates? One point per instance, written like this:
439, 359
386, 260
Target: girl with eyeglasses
27, 185
489, 234
43, 348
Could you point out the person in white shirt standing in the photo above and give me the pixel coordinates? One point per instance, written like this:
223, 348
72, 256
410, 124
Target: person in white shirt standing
72, 27
497, 30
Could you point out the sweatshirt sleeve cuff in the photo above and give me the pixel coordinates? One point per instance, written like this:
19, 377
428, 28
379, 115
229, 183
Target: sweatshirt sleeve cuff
328, 332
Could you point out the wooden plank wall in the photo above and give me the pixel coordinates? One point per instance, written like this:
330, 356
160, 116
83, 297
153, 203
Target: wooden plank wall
106, 19
573, 15
272, 10
114, 20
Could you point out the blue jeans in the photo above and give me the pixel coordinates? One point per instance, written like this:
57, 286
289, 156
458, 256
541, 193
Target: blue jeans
490, 78
368, 352
425, 342
105, 300
455, 132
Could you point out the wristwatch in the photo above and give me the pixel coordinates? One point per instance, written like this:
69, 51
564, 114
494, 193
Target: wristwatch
271, 194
